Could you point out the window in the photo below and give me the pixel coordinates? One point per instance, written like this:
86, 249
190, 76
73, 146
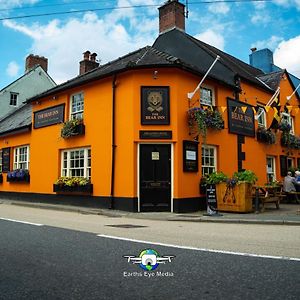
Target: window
21, 158
271, 176
77, 105
208, 160
289, 119
0, 161
290, 163
262, 117
76, 163
13, 99
206, 96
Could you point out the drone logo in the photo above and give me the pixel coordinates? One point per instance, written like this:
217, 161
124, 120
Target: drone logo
149, 259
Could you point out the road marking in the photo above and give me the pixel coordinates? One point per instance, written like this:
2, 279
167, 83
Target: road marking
200, 249
23, 222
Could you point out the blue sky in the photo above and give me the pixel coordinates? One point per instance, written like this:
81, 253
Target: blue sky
233, 27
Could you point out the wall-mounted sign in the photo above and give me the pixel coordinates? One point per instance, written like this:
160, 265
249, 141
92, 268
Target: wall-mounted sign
153, 134
155, 106
240, 118
190, 156
49, 116
5, 160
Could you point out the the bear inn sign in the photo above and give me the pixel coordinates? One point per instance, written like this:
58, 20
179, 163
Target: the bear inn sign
155, 105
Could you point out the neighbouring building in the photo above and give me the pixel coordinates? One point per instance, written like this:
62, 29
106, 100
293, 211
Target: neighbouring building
133, 133
34, 81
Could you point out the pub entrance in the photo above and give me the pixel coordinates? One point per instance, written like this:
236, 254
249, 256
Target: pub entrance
155, 177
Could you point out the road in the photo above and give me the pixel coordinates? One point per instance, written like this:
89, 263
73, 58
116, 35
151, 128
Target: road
66, 256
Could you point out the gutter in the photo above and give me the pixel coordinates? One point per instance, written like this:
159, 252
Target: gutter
112, 181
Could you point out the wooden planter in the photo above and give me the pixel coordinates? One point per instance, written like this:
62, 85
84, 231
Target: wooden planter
235, 199
79, 189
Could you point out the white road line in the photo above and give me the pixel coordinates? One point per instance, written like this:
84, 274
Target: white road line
200, 249
23, 222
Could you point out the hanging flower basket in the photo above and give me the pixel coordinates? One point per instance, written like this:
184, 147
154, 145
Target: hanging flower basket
200, 119
72, 128
18, 175
284, 126
265, 136
290, 140
73, 185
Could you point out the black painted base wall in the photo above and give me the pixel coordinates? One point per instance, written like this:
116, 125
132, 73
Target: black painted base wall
181, 205
185, 205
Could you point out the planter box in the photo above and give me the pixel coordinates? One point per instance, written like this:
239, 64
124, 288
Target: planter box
236, 199
79, 129
82, 189
19, 179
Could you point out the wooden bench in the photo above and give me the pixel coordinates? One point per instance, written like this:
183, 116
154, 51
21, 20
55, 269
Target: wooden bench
270, 195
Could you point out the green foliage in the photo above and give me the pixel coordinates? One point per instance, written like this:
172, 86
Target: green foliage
216, 177
72, 181
245, 176
290, 140
69, 128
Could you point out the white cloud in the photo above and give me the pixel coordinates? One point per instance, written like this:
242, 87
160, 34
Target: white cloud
270, 43
288, 3
64, 43
12, 69
211, 37
219, 8
261, 18
16, 3
287, 56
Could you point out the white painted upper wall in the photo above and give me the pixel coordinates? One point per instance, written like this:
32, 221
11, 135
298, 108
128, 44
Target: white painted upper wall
30, 84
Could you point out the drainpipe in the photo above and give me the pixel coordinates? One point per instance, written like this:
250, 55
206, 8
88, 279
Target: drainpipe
112, 182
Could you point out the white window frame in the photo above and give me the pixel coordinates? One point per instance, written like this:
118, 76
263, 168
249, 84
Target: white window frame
271, 172
13, 97
212, 167
289, 119
19, 156
66, 169
204, 101
1, 161
76, 114
262, 120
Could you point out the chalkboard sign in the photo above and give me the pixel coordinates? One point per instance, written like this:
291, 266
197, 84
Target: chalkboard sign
5, 160
211, 196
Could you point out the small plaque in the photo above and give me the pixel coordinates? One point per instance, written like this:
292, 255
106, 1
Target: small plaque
155, 134
155, 155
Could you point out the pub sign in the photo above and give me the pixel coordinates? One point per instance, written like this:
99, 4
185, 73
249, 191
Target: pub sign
155, 105
240, 118
5, 160
49, 116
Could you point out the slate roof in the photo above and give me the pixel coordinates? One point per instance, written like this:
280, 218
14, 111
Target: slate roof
19, 119
144, 57
272, 79
201, 55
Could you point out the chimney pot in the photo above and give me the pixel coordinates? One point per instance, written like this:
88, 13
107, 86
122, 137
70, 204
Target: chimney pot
86, 55
253, 49
88, 63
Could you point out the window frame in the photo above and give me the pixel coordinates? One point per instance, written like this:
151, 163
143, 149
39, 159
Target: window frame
73, 115
16, 95
263, 115
87, 168
290, 120
207, 87
273, 172
203, 165
17, 162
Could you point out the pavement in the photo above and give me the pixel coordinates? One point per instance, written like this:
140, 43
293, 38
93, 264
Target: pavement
288, 214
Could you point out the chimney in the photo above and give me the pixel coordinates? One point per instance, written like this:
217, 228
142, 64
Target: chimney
171, 15
34, 60
262, 59
88, 63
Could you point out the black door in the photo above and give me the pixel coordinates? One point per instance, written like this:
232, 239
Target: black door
155, 177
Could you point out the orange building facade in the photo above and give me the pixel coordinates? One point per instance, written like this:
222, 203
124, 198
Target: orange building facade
137, 148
